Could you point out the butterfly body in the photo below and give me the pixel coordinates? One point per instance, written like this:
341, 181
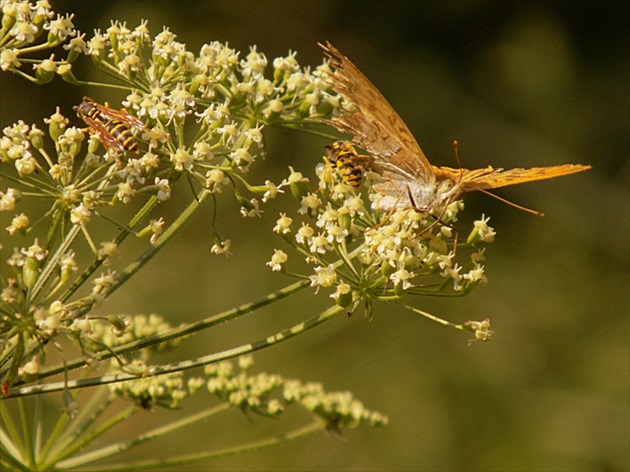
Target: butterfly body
408, 180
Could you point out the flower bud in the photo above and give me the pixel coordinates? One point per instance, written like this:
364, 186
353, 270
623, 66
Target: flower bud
343, 295
30, 272
344, 218
8, 17
65, 71
273, 111
43, 76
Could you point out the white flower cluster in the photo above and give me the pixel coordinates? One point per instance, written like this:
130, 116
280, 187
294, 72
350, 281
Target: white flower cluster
165, 390
362, 254
271, 394
196, 114
23, 23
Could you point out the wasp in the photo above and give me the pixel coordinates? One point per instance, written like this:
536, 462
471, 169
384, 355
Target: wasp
342, 156
114, 127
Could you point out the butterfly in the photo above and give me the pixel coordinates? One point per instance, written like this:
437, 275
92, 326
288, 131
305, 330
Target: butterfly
408, 180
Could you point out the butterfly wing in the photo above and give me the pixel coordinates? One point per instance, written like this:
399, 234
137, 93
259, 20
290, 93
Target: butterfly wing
375, 125
489, 177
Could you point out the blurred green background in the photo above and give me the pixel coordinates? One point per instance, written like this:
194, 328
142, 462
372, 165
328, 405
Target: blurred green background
518, 84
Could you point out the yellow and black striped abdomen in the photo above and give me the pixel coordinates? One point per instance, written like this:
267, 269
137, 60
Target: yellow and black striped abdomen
121, 132
112, 126
342, 156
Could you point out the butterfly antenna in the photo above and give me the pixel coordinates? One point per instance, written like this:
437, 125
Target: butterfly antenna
512, 204
456, 150
459, 163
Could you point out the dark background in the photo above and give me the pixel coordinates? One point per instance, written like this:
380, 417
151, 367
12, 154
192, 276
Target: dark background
518, 84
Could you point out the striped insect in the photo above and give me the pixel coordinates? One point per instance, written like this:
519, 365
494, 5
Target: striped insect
343, 157
113, 127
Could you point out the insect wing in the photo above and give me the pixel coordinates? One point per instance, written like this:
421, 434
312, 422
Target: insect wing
375, 125
490, 178
118, 115
108, 140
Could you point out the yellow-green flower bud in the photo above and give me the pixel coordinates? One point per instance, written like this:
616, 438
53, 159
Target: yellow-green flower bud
387, 269
8, 17
56, 125
305, 109
273, 111
343, 295
279, 76
65, 71
43, 76
344, 218
119, 323
30, 272
36, 136
93, 145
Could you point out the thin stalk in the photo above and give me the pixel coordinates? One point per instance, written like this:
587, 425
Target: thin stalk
119, 447
190, 458
178, 332
268, 341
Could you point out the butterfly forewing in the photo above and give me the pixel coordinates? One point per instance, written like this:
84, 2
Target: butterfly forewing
375, 125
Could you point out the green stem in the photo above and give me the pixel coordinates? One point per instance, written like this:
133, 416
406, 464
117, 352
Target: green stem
119, 447
180, 331
190, 458
86, 439
268, 341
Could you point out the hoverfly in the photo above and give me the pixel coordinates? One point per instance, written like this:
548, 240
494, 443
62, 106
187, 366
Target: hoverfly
114, 127
408, 178
342, 156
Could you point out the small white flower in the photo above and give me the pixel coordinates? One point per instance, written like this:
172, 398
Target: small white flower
157, 227
164, 189
103, 283
305, 233
309, 202
279, 257
19, 221
8, 199
222, 247
125, 192
272, 192
342, 289
482, 330
319, 244
24, 32
402, 276
252, 210
80, 215
214, 179
9, 59
324, 277
283, 224
182, 160
108, 250
62, 27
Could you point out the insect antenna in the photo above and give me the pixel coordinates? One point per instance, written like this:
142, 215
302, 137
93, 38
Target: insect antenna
457, 160
512, 204
501, 199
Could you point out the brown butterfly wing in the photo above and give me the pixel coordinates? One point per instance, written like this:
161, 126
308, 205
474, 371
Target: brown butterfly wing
375, 125
489, 177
